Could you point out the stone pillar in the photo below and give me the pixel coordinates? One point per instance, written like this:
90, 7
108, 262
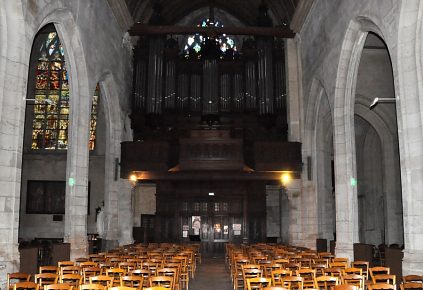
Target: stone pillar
294, 92
77, 171
125, 215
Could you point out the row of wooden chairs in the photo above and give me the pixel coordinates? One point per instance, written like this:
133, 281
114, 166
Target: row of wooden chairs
34, 286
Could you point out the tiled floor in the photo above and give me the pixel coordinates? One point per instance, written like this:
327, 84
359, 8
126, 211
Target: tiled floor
212, 274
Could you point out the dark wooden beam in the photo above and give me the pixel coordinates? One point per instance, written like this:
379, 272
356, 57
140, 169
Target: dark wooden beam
144, 29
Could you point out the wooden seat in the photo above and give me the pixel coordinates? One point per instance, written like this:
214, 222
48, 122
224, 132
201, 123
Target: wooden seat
25, 285
132, 281
71, 279
326, 282
258, 283
412, 278
335, 272
411, 286
58, 287
46, 279
319, 268
103, 280
308, 276
87, 264
143, 273
381, 286
13, 278
127, 266
92, 287
274, 288
250, 271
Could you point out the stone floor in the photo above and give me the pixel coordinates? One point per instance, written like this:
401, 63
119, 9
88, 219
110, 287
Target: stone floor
211, 274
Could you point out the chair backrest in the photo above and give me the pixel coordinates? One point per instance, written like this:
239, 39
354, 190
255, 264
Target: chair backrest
326, 282
353, 279
353, 270
103, 280
70, 270
46, 278
292, 282
65, 263
411, 286
132, 281
48, 269
164, 281
384, 278
58, 287
258, 283
412, 278
122, 288
25, 285
364, 265
346, 287
156, 288
274, 288
90, 272
13, 278
88, 264
378, 270
92, 287
278, 275
71, 279
381, 286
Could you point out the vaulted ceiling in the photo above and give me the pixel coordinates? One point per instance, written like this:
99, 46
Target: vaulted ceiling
245, 11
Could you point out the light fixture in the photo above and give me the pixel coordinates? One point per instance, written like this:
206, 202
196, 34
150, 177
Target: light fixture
48, 101
211, 193
285, 178
133, 177
377, 100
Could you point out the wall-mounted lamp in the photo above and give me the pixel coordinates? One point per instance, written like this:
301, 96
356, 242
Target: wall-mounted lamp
285, 178
376, 101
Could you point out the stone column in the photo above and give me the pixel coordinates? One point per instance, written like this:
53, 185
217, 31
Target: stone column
77, 171
125, 215
294, 92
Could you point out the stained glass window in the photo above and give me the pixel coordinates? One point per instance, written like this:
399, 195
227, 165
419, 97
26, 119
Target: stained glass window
93, 122
196, 42
51, 109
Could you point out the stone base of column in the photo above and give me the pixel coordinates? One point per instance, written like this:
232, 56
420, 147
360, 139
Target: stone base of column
344, 250
412, 262
126, 242
78, 247
9, 261
107, 245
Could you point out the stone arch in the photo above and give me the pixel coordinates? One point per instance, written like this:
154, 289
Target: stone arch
318, 122
344, 136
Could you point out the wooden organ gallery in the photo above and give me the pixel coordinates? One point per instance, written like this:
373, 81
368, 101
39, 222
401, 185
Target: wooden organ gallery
209, 116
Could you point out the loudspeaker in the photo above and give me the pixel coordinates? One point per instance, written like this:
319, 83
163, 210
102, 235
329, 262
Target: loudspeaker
309, 171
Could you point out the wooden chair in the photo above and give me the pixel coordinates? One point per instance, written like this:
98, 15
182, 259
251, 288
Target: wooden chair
353, 270
308, 277
335, 272
102, 280
250, 271
144, 273
58, 287
27, 285
364, 265
92, 287
292, 282
340, 265
163, 281
132, 281
345, 287
326, 282
353, 279
156, 288
411, 286
48, 269
237, 275
127, 266
319, 268
412, 278
171, 272
88, 272
377, 271
258, 283
122, 288
384, 278
69, 270
268, 268
13, 278
46, 279
88, 264
274, 288
278, 275
71, 279
65, 263
116, 273
381, 286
